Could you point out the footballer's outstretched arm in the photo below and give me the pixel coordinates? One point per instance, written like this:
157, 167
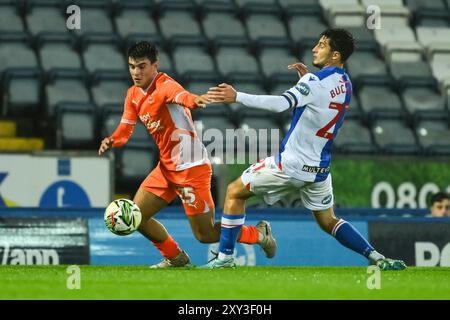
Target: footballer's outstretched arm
175, 93
224, 93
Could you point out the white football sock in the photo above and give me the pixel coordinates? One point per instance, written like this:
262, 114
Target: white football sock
374, 256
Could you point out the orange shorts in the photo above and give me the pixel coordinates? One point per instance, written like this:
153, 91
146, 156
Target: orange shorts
192, 185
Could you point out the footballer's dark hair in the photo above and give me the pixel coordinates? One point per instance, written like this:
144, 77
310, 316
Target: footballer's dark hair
438, 197
143, 49
340, 40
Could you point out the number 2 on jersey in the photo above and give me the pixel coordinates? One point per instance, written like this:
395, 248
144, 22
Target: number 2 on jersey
324, 131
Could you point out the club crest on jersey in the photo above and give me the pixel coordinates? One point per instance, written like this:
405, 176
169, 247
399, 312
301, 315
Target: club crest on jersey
303, 88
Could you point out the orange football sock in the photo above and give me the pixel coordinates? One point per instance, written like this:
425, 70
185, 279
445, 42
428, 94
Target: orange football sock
168, 248
249, 235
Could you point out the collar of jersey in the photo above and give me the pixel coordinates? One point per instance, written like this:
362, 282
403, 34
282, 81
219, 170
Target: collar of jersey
328, 71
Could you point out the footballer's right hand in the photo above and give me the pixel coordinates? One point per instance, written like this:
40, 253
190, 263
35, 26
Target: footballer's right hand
223, 93
105, 145
300, 67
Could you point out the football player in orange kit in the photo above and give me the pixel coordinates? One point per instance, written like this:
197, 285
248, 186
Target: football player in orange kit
162, 105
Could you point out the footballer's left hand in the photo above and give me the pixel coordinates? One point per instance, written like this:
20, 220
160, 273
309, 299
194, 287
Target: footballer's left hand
300, 67
223, 93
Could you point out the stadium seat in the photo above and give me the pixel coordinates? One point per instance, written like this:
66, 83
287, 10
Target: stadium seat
165, 63
46, 17
23, 92
254, 87
366, 63
263, 27
274, 62
236, 62
406, 70
378, 100
365, 37
354, 111
178, 23
289, 4
433, 136
431, 18
423, 99
95, 18
428, 36
422, 4
108, 88
394, 137
101, 52
192, 59
326, 4
199, 87
222, 25
75, 125
305, 29
242, 3
65, 88
403, 51
214, 4
341, 15
383, 3
353, 137
16, 53
408, 64
440, 65
10, 20
135, 20
135, 163
110, 118
394, 34
57, 51
307, 58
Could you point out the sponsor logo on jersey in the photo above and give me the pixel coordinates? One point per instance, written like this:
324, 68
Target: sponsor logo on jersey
327, 199
303, 88
312, 169
152, 126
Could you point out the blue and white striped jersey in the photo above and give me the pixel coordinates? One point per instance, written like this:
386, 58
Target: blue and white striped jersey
319, 102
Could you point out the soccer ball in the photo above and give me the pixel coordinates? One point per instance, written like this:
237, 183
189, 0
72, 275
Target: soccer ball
122, 217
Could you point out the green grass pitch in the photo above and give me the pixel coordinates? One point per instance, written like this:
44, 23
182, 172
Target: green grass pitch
290, 283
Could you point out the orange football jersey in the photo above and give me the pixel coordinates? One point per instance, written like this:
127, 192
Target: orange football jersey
164, 109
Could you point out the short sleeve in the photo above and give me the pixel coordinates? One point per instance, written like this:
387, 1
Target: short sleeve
304, 92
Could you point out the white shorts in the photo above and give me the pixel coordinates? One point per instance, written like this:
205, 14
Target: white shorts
267, 180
